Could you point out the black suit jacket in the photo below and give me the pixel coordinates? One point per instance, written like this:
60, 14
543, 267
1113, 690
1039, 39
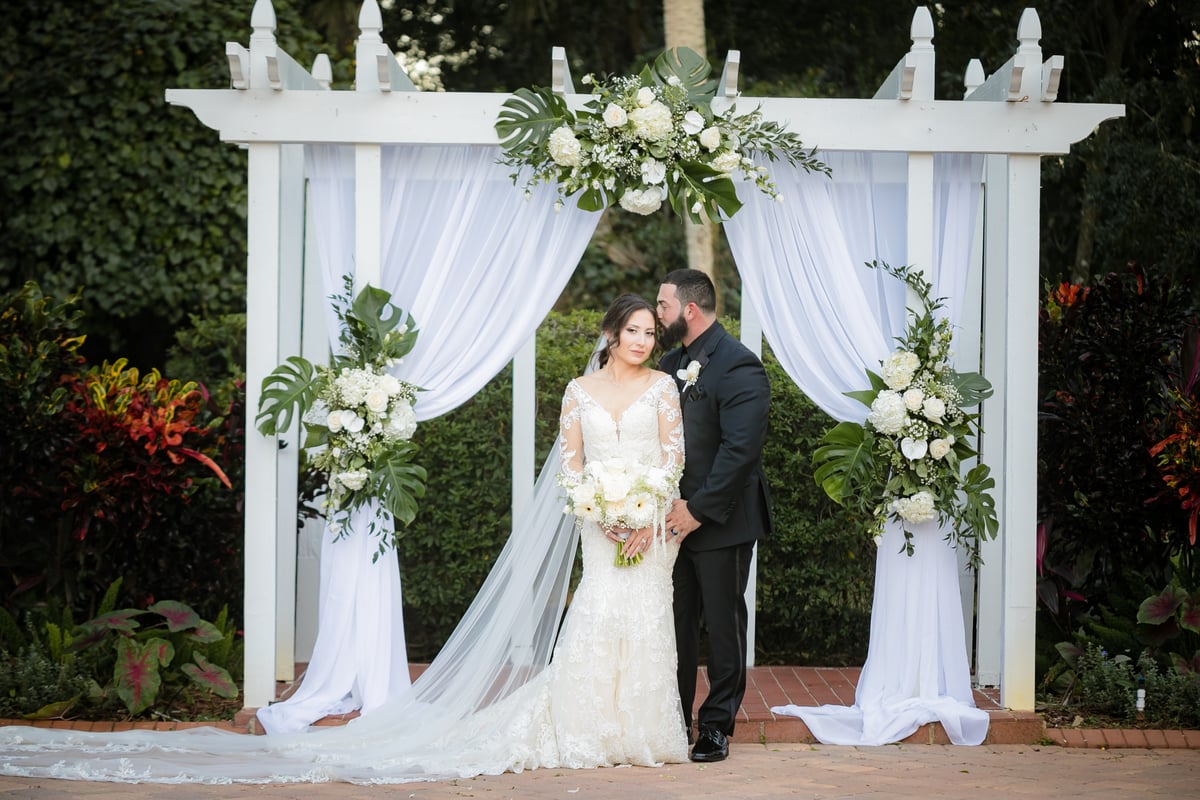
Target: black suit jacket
725, 426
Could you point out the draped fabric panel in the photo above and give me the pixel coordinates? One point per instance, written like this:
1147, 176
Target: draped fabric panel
478, 267
828, 318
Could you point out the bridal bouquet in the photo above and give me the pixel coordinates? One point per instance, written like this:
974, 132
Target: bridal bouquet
621, 494
905, 462
643, 139
358, 418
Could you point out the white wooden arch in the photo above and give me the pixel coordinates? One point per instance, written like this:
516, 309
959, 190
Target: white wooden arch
275, 106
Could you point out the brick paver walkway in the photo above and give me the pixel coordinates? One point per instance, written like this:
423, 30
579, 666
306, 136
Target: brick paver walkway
803, 686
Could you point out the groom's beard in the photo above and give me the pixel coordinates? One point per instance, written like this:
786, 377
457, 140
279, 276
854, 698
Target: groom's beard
673, 334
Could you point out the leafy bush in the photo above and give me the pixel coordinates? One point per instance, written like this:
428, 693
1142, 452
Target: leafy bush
1107, 352
1108, 685
146, 661
112, 473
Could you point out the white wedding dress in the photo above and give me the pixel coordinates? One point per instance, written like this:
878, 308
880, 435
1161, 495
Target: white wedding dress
608, 697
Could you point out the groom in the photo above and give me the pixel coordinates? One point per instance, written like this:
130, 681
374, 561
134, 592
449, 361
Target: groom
725, 395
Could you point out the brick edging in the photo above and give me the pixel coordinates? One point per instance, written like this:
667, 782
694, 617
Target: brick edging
1108, 738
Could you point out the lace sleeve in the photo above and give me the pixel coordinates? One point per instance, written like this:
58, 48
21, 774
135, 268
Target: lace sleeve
570, 436
670, 427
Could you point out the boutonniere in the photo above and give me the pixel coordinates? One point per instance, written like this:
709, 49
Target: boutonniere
689, 375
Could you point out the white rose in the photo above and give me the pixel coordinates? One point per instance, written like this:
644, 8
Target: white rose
641, 201
389, 384
899, 368
583, 495
653, 171
913, 399
377, 400
938, 448
693, 123
933, 409
352, 422
652, 123
918, 508
334, 421
564, 147
913, 449
645, 97
888, 414
710, 138
615, 116
726, 161
354, 479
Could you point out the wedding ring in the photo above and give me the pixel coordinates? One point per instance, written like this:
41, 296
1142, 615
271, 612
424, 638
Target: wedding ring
674, 532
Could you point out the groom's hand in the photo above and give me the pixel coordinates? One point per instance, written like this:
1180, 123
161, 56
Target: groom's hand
680, 521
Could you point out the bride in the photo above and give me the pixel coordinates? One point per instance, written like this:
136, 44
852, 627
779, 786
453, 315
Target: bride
488, 703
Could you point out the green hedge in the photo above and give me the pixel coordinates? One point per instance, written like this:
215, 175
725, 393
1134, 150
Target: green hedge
815, 574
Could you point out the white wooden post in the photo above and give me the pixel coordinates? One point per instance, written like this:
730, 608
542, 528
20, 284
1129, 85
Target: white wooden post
262, 355
752, 337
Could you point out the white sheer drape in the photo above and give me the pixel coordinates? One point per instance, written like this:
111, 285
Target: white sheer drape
478, 267
828, 317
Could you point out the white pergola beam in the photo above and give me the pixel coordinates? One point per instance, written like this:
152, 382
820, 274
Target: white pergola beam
943, 126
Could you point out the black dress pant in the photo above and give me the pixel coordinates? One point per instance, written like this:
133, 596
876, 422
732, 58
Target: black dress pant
710, 586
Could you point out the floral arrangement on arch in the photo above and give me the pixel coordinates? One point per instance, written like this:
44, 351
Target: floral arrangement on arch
905, 462
358, 417
644, 139
616, 493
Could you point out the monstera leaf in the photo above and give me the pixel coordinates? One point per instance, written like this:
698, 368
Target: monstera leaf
690, 67
529, 117
400, 483
714, 190
374, 316
292, 385
845, 461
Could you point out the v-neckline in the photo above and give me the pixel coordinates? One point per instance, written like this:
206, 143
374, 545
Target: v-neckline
616, 418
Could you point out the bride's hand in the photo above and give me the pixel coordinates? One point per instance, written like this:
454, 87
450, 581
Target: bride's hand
637, 542
617, 534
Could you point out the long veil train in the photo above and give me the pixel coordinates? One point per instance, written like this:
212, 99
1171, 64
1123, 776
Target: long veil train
504, 640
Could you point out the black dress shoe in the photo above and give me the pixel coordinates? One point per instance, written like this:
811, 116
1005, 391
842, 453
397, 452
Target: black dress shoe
711, 745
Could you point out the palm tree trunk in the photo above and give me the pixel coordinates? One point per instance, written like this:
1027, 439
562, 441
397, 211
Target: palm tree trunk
683, 23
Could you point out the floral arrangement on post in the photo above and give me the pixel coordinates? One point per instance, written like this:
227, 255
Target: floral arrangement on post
359, 418
621, 494
905, 462
644, 139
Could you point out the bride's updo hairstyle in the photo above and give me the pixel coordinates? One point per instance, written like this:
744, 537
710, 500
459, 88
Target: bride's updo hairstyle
618, 313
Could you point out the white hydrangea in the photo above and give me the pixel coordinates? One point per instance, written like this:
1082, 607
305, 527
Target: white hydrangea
652, 123
353, 479
899, 368
401, 422
917, 508
726, 161
888, 414
564, 147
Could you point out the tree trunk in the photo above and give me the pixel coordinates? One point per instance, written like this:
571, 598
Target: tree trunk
683, 23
